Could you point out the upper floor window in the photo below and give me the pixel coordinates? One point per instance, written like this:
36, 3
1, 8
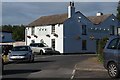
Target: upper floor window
83, 29
53, 29
32, 30
118, 29
111, 30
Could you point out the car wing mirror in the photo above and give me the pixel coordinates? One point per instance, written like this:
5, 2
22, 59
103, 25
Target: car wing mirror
9, 51
30, 50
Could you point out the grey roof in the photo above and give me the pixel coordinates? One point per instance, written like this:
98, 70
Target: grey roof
60, 18
49, 20
98, 19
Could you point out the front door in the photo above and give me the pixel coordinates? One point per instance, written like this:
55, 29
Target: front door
53, 43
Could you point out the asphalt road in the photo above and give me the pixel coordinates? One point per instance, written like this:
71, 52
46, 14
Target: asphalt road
48, 66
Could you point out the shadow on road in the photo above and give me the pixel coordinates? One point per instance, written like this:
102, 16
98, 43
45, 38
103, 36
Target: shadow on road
43, 61
9, 72
21, 62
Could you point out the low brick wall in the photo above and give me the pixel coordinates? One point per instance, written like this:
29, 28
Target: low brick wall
19, 43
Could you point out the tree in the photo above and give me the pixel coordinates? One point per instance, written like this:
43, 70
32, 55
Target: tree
18, 31
118, 11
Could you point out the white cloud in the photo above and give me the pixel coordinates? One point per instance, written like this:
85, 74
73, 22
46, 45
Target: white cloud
26, 12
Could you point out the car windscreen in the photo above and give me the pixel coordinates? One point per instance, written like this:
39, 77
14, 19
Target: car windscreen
34, 45
20, 48
38, 45
41, 45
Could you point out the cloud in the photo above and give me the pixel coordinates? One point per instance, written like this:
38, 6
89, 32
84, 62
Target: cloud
26, 12
91, 8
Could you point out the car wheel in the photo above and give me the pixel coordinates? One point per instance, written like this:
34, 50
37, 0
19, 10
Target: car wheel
31, 59
41, 52
113, 70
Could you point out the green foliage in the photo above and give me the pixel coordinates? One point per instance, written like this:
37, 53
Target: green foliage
18, 31
118, 11
101, 45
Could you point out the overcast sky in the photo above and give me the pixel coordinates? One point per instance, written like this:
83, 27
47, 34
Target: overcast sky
25, 12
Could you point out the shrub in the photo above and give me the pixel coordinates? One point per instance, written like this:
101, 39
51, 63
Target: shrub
100, 46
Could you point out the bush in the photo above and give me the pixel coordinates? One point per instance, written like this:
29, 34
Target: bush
101, 45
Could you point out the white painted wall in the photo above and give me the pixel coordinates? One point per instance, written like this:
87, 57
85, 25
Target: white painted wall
59, 39
42, 31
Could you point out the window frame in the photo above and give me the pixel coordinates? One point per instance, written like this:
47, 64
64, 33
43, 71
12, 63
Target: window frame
112, 29
32, 30
84, 30
53, 29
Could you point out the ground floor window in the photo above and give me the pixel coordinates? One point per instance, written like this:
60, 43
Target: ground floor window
84, 47
53, 43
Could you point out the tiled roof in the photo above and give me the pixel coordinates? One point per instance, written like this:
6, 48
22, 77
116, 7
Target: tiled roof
49, 20
98, 19
60, 18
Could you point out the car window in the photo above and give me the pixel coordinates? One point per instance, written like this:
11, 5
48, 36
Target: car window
38, 45
20, 48
113, 44
34, 45
41, 45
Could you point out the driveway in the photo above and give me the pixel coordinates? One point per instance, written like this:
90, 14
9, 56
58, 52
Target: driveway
90, 68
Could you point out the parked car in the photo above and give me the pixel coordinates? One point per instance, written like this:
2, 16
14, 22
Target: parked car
112, 56
21, 53
41, 48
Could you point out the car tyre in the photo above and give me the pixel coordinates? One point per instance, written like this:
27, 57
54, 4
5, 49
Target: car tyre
113, 70
41, 52
31, 59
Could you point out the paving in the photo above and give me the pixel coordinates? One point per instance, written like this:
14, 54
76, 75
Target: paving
90, 68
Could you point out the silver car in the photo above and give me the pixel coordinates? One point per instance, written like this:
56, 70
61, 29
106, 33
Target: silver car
21, 53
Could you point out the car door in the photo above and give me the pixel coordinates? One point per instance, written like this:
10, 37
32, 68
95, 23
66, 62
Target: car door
111, 50
118, 51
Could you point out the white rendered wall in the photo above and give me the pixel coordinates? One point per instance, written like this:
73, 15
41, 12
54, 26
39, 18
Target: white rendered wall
42, 31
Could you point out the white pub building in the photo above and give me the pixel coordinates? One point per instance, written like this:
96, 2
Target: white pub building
72, 32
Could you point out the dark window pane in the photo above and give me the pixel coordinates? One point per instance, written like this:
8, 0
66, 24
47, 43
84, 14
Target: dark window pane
83, 29
111, 30
84, 47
